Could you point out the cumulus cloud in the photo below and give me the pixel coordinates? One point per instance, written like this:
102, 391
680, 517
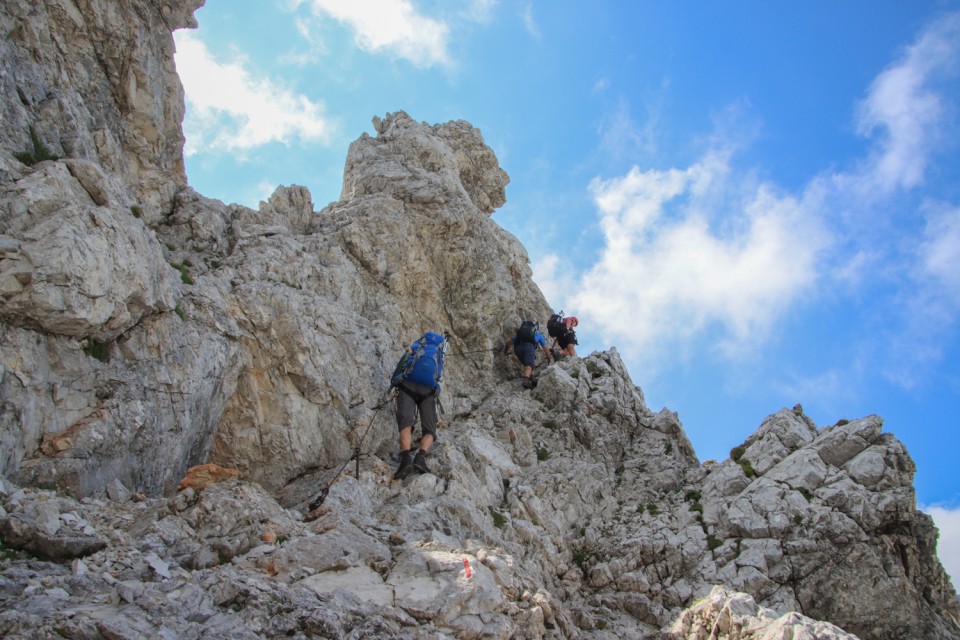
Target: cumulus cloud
685, 252
230, 109
904, 112
706, 252
394, 27
947, 520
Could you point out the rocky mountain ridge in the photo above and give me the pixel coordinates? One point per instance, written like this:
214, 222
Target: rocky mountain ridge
146, 330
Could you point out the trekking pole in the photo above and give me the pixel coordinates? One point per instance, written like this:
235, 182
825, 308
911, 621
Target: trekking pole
356, 455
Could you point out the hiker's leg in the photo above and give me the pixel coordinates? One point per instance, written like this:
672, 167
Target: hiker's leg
406, 415
406, 438
527, 354
426, 441
428, 423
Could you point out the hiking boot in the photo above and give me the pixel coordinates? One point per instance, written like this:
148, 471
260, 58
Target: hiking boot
529, 383
406, 465
420, 462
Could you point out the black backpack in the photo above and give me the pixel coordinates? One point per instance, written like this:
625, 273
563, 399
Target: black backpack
527, 331
555, 325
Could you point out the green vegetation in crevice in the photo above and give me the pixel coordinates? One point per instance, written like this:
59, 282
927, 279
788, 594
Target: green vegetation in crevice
39, 153
97, 349
184, 269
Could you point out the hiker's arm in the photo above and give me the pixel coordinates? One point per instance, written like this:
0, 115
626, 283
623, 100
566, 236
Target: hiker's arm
506, 346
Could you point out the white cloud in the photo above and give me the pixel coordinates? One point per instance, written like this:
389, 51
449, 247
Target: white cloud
705, 253
480, 11
940, 253
907, 112
622, 137
392, 26
550, 275
928, 303
686, 252
229, 109
530, 22
947, 520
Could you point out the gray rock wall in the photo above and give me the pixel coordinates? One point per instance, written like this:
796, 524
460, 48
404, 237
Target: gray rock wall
145, 329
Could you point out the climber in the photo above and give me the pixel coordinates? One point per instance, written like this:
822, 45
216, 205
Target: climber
417, 379
561, 330
525, 342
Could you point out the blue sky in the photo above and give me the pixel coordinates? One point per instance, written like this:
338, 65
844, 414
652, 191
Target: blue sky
757, 203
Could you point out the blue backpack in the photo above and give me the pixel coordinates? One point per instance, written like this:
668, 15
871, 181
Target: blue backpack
425, 365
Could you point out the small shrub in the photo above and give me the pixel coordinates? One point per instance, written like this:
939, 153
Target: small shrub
498, 519
136, 210
806, 493
601, 624
39, 153
282, 539
747, 468
180, 312
713, 542
575, 374
798, 520
736, 453
215, 264
668, 448
184, 272
542, 454
170, 247
640, 508
692, 496
842, 421
550, 424
96, 349
696, 506
6, 553
619, 470
652, 509
581, 557
506, 485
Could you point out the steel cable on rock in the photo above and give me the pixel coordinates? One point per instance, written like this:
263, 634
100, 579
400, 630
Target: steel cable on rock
356, 456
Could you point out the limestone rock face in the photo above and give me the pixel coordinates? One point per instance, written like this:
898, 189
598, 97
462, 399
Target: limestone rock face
95, 80
77, 262
735, 616
153, 339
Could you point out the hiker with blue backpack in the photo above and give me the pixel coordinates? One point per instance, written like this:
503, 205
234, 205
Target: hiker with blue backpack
525, 342
417, 379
